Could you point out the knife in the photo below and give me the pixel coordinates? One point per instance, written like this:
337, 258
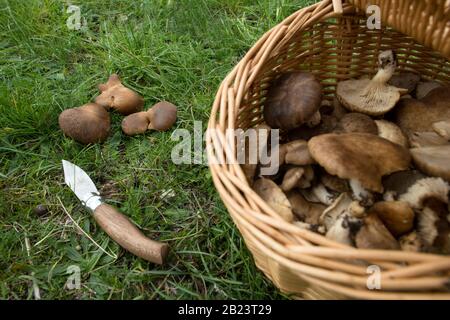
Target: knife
114, 223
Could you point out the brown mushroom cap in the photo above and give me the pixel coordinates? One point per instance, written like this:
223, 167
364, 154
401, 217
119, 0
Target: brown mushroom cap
162, 116
434, 161
397, 216
426, 139
442, 128
424, 88
297, 153
292, 178
419, 115
356, 122
374, 235
399, 182
89, 123
390, 131
306, 211
292, 100
275, 198
405, 80
359, 156
371, 96
118, 97
135, 123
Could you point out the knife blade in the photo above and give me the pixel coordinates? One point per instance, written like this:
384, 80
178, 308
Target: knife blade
114, 223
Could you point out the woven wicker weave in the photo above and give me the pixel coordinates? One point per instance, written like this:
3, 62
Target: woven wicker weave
334, 43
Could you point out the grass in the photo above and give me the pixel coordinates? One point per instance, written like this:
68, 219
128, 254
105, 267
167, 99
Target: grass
166, 50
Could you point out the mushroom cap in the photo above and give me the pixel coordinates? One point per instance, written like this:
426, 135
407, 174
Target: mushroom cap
424, 189
297, 153
424, 88
390, 131
405, 80
442, 128
118, 97
162, 116
419, 115
426, 139
399, 182
374, 235
334, 183
292, 100
434, 161
359, 156
340, 205
275, 198
306, 211
135, 123
291, 178
352, 94
89, 123
397, 216
357, 122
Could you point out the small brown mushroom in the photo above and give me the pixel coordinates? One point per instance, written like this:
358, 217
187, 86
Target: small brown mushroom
292, 100
89, 123
373, 97
356, 122
426, 139
424, 88
434, 161
429, 197
306, 211
405, 80
275, 198
160, 117
397, 216
442, 128
297, 153
118, 97
292, 178
390, 131
374, 235
359, 156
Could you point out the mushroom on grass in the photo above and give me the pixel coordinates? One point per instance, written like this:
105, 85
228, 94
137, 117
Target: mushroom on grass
89, 123
292, 100
118, 97
373, 97
160, 117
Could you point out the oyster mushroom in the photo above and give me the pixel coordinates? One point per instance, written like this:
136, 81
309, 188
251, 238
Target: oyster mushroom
251, 158
373, 97
326, 197
361, 158
292, 179
398, 183
426, 139
429, 197
419, 115
306, 211
442, 128
118, 97
89, 123
424, 88
390, 131
374, 235
160, 117
345, 229
297, 153
275, 198
434, 161
335, 210
397, 216
405, 80
356, 122
292, 100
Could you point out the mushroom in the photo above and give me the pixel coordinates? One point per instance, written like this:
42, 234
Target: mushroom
356, 122
275, 198
323, 194
345, 229
419, 115
292, 100
160, 117
434, 161
442, 128
359, 157
292, 179
297, 153
306, 211
374, 235
89, 123
338, 109
118, 97
334, 183
426, 139
373, 97
398, 183
390, 131
335, 210
405, 80
423, 88
251, 158
429, 198
314, 120
397, 216
410, 242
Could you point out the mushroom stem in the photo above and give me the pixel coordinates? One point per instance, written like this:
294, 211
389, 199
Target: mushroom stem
323, 194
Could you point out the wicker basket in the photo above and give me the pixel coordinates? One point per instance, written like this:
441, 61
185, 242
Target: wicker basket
331, 40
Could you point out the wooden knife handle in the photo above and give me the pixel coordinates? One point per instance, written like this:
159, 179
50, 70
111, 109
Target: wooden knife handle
128, 236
